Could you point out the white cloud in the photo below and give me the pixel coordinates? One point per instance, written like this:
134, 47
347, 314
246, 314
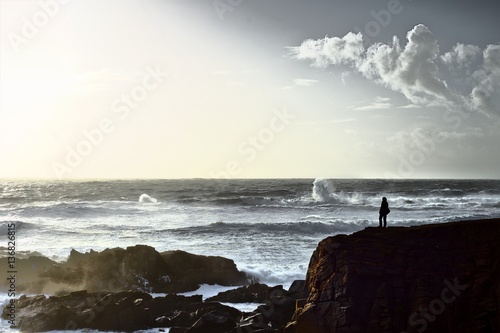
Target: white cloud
304, 82
462, 56
413, 70
344, 77
489, 79
301, 83
410, 106
379, 103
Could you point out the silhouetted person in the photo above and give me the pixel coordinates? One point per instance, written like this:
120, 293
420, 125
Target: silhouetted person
384, 210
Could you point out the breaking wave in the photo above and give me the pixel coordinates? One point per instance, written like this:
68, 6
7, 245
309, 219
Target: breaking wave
324, 192
146, 198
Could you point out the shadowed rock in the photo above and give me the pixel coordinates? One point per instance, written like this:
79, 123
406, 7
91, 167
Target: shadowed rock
126, 311
138, 267
434, 278
190, 270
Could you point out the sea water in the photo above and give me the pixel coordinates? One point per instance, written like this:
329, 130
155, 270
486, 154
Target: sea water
269, 227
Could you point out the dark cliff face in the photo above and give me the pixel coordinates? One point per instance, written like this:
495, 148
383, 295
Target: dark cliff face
432, 278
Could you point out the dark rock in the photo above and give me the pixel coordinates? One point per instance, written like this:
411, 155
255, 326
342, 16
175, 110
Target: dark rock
28, 274
277, 311
298, 290
254, 293
434, 278
121, 311
190, 270
134, 268
178, 329
214, 322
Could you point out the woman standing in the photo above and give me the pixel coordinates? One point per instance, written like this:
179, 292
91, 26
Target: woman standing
384, 210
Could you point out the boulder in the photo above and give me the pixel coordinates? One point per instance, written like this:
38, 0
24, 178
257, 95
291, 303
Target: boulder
254, 293
188, 270
214, 322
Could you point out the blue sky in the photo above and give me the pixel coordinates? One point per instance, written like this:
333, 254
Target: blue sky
245, 89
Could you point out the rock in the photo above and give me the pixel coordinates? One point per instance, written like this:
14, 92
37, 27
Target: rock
214, 322
188, 270
433, 278
126, 311
28, 274
138, 267
298, 290
277, 311
254, 293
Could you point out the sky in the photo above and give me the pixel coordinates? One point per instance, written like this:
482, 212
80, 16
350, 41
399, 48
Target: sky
249, 89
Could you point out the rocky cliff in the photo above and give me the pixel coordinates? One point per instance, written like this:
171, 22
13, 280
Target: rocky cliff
432, 278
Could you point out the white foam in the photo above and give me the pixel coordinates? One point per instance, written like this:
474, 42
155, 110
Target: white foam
146, 198
323, 191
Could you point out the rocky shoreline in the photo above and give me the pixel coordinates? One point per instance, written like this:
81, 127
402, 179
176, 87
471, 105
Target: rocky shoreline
432, 278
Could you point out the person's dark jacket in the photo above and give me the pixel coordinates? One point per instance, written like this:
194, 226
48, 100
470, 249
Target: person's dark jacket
384, 208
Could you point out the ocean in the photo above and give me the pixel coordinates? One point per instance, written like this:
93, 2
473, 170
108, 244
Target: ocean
269, 227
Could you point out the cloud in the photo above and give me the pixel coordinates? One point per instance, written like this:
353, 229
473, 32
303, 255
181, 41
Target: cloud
344, 77
301, 83
462, 56
489, 79
415, 69
304, 82
379, 103
410, 106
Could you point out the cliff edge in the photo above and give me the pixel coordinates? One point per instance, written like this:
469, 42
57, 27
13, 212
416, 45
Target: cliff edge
433, 278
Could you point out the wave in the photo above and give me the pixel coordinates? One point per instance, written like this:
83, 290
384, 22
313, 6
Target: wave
146, 198
300, 228
324, 191
19, 225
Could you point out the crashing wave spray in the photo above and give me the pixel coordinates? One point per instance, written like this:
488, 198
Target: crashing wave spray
323, 191
146, 198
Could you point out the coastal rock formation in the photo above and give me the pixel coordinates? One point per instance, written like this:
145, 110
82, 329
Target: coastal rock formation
138, 267
254, 293
188, 271
433, 278
277, 310
121, 311
135, 310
